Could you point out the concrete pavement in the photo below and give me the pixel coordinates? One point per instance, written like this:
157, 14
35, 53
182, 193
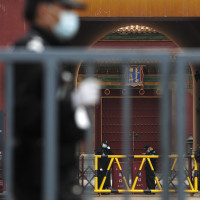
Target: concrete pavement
137, 197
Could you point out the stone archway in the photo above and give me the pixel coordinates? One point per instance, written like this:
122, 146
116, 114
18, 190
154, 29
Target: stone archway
185, 34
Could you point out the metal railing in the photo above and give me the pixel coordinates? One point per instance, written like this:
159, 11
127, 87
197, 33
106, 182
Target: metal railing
50, 60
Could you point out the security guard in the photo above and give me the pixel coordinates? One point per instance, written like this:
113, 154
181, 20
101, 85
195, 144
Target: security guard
103, 163
150, 175
52, 23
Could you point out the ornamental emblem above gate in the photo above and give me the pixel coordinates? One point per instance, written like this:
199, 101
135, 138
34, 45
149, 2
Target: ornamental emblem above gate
135, 75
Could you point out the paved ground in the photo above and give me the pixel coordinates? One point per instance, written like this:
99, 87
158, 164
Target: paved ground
137, 197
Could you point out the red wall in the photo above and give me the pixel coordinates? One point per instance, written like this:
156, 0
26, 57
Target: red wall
12, 24
1, 87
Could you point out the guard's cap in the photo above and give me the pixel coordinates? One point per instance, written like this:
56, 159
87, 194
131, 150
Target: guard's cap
32, 4
146, 147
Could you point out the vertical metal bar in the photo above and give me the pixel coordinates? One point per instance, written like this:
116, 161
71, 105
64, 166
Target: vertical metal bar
190, 167
9, 140
50, 128
126, 113
82, 170
180, 104
89, 134
165, 124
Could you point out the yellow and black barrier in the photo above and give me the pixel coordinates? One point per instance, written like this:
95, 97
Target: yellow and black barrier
193, 187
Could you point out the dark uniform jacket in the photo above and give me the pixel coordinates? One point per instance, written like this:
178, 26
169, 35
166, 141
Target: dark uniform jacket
153, 161
29, 92
103, 162
103, 165
28, 107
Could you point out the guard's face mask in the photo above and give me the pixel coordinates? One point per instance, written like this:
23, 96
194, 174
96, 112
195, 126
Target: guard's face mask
67, 26
104, 145
148, 151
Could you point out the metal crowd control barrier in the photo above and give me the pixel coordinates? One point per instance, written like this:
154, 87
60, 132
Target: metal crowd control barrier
86, 171
145, 158
52, 57
194, 186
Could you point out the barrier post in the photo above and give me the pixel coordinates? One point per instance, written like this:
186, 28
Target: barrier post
190, 167
96, 177
195, 175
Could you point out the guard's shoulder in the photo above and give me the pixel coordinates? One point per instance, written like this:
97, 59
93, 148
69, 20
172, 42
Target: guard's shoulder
31, 42
154, 152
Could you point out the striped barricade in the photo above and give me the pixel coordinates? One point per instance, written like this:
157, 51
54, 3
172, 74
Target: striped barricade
192, 184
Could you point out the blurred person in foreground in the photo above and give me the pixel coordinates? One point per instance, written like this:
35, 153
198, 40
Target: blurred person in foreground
103, 163
52, 23
150, 175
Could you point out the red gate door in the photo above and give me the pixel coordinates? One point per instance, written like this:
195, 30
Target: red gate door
118, 182
141, 183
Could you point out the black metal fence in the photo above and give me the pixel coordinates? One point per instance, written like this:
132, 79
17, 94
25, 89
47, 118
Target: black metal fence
51, 58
